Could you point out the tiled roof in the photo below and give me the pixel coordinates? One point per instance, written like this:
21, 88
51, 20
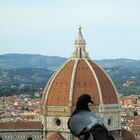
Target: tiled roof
21, 125
107, 90
85, 82
136, 125
55, 136
137, 120
87, 77
124, 134
127, 135
60, 87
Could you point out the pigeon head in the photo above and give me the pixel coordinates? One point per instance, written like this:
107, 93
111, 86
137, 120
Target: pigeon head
82, 103
85, 98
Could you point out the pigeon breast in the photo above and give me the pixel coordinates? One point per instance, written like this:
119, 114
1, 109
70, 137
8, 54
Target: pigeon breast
83, 120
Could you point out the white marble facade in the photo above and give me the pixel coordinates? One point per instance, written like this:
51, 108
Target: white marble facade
21, 135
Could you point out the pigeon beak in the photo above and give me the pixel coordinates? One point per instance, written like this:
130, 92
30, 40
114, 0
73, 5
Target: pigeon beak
91, 102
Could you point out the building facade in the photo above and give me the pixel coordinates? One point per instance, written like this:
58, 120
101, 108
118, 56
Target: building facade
21, 131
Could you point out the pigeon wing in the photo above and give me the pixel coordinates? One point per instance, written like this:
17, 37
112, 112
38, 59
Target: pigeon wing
82, 120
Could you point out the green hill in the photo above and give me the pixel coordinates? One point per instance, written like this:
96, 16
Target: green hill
25, 73
126, 79
10, 61
23, 81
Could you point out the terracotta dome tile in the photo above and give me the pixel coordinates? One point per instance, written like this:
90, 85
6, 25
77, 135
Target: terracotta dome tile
59, 91
108, 92
85, 83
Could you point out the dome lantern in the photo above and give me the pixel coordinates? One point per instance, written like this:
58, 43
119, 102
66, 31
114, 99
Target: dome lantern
80, 43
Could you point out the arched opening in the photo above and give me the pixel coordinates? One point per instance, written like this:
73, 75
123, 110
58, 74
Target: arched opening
135, 113
1, 138
109, 121
29, 138
58, 122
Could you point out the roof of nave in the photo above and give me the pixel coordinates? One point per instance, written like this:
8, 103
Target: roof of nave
21, 125
56, 136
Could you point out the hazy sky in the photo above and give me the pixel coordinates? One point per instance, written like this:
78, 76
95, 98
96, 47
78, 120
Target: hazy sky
111, 27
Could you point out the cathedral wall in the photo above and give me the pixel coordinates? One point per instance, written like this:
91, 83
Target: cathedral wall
23, 135
56, 123
110, 115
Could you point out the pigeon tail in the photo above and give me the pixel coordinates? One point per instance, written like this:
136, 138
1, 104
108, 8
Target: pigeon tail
96, 132
100, 132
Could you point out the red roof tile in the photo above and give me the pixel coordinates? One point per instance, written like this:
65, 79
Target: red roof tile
127, 135
21, 125
56, 136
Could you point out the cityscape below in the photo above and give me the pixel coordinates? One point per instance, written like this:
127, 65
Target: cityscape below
39, 94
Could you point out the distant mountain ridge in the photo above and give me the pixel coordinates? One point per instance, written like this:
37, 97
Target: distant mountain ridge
10, 61
119, 62
28, 73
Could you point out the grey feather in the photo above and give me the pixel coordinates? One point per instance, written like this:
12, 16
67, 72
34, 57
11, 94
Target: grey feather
83, 120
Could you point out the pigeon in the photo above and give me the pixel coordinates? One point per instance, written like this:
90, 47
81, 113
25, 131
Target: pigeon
86, 125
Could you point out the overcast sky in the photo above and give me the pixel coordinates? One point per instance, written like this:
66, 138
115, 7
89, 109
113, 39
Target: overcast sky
111, 27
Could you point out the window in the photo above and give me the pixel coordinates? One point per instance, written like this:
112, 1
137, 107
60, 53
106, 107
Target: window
109, 121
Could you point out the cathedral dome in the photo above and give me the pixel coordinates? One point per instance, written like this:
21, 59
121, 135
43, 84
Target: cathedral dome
77, 76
